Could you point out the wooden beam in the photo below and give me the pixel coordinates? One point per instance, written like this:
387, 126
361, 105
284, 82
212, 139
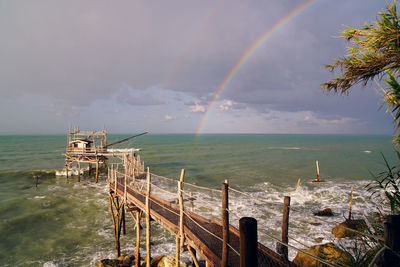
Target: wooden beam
180, 195
137, 256
148, 219
193, 254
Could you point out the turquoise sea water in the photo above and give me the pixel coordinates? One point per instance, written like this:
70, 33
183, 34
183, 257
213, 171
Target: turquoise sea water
65, 223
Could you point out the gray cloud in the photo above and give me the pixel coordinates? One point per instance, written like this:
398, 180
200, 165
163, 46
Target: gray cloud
81, 52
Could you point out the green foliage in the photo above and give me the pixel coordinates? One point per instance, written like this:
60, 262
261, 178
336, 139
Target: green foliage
389, 182
373, 52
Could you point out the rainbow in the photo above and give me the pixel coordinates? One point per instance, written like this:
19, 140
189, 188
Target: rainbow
245, 56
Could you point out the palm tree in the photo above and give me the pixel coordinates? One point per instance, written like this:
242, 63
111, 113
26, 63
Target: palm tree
374, 52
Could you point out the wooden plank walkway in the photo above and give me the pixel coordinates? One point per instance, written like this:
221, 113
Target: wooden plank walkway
204, 235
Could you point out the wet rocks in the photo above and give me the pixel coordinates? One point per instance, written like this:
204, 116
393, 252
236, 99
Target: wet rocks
329, 252
343, 229
122, 261
165, 261
324, 212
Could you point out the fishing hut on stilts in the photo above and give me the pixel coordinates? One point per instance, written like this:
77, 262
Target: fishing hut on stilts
91, 148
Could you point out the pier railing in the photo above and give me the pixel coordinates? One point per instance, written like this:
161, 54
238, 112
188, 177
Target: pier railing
203, 221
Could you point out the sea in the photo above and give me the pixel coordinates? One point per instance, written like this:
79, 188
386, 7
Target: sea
63, 222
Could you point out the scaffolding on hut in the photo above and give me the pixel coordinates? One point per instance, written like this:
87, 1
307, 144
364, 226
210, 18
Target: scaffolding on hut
91, 147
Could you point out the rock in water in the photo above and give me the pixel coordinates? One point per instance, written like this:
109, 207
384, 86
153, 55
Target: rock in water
324, 212
341, 231
122, 261
109, 263
329, 252
165, 261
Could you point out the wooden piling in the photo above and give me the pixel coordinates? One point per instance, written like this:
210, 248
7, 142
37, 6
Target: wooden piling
225, 225
148, 219
298, 184
392, 241
285, 227
79, 171
90, 169
316, 162
248, 242
191, 202
66, 168
351, 203
137, 256
193, 254
123, 220
97, 171
180, 195
177, 250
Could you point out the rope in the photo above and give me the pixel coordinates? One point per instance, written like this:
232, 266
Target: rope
376, 256
333, 223
186, 183
256, 198
168, 179
202, 187
166, 191
301, 251
234, 250
297, 241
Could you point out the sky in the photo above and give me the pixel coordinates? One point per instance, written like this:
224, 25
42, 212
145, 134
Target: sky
157, 66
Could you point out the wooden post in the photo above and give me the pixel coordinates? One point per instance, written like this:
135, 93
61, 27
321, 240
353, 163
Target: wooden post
351, 203
116, 177
193, 254
180, 194
90, 169
148, 219
392, 240
225, 224
316, 162
298, 184
79, 171
137, 256
66, 168
283, 250
97, 171
123, 220
177, 251
191, 202
248, 242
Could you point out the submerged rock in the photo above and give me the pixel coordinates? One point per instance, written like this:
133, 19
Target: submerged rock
111, 263
319, 239
324, 212
123, 261
342, 230
165, 261
328, 252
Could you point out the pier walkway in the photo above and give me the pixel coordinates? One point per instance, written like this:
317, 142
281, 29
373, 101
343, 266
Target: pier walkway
194, 232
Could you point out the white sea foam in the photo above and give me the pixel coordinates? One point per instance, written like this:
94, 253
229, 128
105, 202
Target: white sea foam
367, 151
283, 148
71, 171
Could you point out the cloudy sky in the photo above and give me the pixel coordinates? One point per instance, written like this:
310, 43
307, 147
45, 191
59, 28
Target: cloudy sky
156, 65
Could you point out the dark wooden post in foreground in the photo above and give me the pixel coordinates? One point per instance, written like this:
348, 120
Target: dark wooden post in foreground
392, 240
248, 242
225, 225
283, 250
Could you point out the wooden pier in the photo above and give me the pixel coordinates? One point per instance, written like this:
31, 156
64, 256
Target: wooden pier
131, 191
215, 240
